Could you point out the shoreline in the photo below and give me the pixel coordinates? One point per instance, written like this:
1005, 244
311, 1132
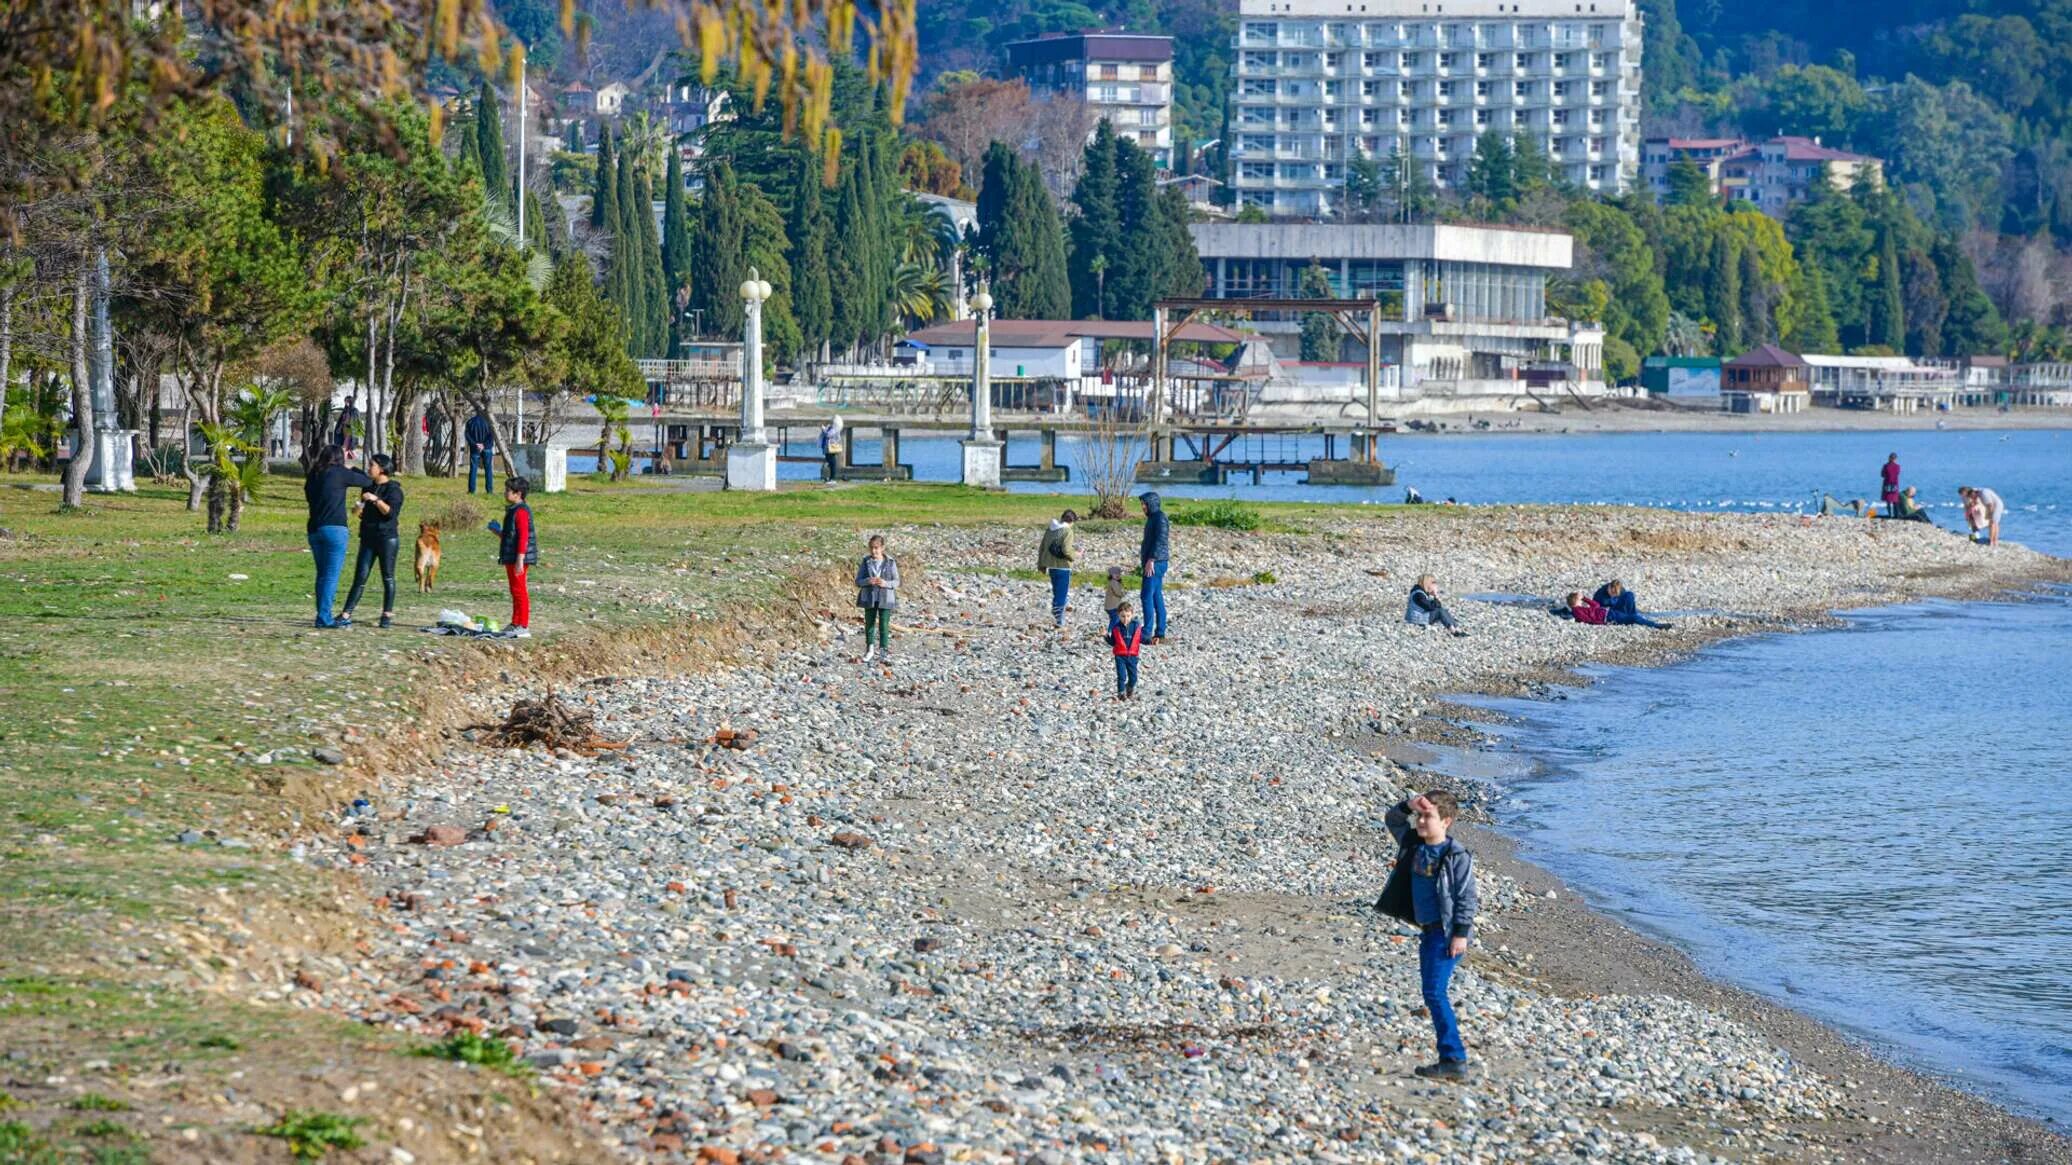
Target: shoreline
976, 874
1621, 415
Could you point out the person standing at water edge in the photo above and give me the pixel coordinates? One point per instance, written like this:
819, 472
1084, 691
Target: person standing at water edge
1443, 905
831, 449
1155, 553
877, 592
1126, 636
1055, 556
1424, 608
1889, 477
324, 491
518, 548
379, 508
481, 438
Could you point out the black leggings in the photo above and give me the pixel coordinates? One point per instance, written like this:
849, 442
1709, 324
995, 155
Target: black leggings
370, 552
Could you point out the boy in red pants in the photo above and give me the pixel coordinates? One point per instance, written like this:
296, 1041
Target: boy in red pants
518, 548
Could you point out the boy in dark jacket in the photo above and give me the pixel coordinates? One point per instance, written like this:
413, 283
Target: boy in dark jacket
1126, 636
518, 547
1443, 901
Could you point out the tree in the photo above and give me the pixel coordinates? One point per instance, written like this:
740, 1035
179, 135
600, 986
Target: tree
1532, 170
1490, 173
1971, 325
1320, 339
1611, 247
1688, 185
655, 301
1947, 147
1886, 325
808, 231
968, 113
1363, 187
587, 352
1813, 101
604, 199
1723, 293
1022, 240
926, 168
488, 140
1146, 265
1410, 196
1758, 301
1922, 298
1813, 330
676, 244
719, 246
1096, 226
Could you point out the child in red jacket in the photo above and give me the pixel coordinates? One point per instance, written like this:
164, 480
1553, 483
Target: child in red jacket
1585, 610
1126, 636
518, 547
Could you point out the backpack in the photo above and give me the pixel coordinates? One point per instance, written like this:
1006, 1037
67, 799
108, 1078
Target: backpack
1054, 543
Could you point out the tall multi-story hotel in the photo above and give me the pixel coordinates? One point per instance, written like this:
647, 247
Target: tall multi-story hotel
1123, 77
1321, 81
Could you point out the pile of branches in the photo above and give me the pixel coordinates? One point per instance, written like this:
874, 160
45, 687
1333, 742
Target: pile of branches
550, 723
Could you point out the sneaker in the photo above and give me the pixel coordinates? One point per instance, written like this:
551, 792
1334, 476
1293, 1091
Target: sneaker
386, 621
343, 622
1459, 634
518, 632
1443, 1070
869, 654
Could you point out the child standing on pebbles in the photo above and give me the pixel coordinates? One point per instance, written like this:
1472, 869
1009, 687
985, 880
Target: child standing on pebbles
1442, 905
1111, 598
1126, 635
877, 592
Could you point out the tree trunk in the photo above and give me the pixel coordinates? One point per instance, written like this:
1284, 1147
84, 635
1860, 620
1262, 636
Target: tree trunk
413, 432
6, 347
82, 400
367, 414
218, 503
481, 403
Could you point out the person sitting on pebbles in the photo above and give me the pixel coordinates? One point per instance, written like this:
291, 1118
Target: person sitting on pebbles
1584, 609
1425, 607
1622, 607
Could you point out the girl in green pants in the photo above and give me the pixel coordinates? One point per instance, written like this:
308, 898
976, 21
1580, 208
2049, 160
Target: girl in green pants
877, 592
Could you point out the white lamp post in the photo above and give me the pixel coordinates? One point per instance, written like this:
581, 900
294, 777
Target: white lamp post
751, 461
981, 449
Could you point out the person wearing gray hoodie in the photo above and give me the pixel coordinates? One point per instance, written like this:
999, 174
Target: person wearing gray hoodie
1155, 553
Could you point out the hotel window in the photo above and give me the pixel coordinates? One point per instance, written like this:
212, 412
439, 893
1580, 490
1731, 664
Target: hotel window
1598, 144
1481, 88
1448, 60
1481, 118
1564, 60
1597, 173
1369, 116
1370, 88
1560, 90
1445, 88
1597, 119
1375, 60
1521, 89
1600, 60
1482, 60
1600, 88
1446, 117
1561, 117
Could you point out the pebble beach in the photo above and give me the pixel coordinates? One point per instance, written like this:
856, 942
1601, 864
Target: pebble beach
966, 906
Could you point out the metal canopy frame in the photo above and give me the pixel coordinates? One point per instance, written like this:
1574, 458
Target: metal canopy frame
1348, 312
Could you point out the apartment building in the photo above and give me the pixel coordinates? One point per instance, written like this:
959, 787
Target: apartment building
1774, 175
1127, 79
1320, 82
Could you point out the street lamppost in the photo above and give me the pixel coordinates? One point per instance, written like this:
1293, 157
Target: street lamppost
981, 449
751, 461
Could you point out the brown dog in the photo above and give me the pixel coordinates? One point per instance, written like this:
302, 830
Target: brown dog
426, 564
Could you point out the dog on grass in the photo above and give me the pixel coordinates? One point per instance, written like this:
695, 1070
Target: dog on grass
426, 562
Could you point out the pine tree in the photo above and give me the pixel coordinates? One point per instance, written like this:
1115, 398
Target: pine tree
604, 196
654, 284
489, 148
808, 231
1531, 169
1888, 324
1320, 342
1723, 293
1363, 187
1973, 326
676, 240
1096, 228
1815, 329
1491, 172
1140, 274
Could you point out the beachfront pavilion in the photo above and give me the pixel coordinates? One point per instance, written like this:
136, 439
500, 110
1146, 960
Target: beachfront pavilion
1765, 379
1460, 303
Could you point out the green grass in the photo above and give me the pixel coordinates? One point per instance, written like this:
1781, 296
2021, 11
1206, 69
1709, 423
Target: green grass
310, 1135
1223, 514
466, 1047
95, 1102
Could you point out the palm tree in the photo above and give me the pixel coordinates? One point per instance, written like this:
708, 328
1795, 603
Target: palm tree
920, 293
648, 139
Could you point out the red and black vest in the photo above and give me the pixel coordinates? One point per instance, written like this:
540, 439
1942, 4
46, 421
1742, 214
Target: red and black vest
1127, 639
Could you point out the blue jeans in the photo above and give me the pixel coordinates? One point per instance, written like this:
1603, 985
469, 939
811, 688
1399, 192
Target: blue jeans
327, 545
1152, 595
1060, 592
485, 460
1125, 674
1435, 974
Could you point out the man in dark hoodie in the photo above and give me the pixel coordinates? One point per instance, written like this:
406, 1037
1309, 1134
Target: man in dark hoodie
481, 439
1154, 554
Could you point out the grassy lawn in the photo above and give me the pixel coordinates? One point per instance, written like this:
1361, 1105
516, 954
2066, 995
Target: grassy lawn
161, 682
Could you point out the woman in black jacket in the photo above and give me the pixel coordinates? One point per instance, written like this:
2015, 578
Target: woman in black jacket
324, 490
380, 506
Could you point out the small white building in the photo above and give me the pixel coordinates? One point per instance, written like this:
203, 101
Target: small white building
607, 101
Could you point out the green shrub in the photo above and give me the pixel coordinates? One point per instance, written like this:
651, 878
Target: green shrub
310, 1135
466, 1047
95, 1102
1225, 514
1264, 578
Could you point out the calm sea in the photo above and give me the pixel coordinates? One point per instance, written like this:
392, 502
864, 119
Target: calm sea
1872, 824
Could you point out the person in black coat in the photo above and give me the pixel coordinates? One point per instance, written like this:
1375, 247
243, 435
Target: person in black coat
380, 506
481, 439
324, 490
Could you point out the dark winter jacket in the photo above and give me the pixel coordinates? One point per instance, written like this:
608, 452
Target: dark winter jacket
325, 490
1424, 609
1453, 879
1620, 608
480, 433
1157, 544
511, 529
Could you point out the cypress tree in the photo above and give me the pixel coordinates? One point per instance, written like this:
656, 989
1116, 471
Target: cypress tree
849, 266
1888, 324
1042, 290
874, 284
489, 148
622, 280
1723, 293
543, 234
1972, 325
654, 285
1185, 275
718, 243
808, 231
1756, 300
1319, 330
604, 197
1815, 329
1141, 273
676, 237
1096, 229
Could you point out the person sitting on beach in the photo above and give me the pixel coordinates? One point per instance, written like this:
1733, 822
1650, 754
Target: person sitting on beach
1621, 606
1126, 636
1831, 505
1908, 509
1585, 610
1443, 905
1425, 607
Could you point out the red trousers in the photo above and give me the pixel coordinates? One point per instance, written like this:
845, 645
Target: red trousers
521, 601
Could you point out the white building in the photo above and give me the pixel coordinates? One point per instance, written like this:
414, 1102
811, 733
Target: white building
1125, 78
1462, 305
1319, 82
